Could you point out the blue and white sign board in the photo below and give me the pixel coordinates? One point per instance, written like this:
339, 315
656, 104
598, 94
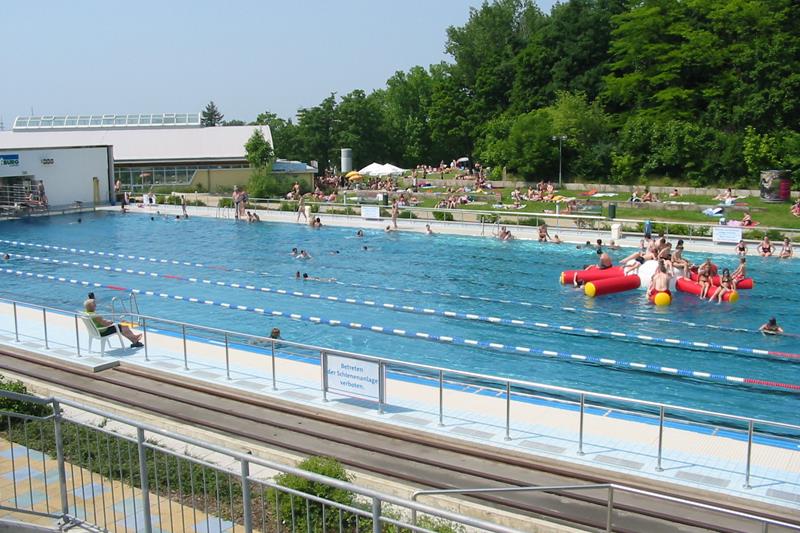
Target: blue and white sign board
353, 377
727, 234
370, 212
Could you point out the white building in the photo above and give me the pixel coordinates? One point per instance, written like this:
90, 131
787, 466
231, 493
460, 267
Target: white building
69, 174
148, 149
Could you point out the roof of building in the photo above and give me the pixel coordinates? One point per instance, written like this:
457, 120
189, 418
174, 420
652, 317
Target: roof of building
221, 143
131, 120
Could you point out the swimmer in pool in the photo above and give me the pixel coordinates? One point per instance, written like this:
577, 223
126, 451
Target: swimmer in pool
741, 271
6, 257
428, 229
306, 277
726, 284
605, 260
359, 233
660, 280
632, 263
771, 327
556, 239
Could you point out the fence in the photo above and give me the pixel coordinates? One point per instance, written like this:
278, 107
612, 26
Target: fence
558, 222
578, 400
115, 481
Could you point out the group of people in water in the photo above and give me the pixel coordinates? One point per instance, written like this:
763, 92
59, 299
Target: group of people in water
766, 249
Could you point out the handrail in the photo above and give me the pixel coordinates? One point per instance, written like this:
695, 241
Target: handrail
610, 488
527, 214
435, 369
280, 467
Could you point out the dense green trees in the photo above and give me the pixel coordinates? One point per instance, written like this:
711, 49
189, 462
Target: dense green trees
704, 91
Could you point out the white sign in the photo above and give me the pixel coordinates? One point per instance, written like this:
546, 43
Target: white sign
353, 376
370, 212
729, 234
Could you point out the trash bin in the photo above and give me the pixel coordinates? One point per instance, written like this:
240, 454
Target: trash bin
612, 210
616, 231
385, 199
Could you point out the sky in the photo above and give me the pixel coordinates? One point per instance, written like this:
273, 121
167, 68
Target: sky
248, 56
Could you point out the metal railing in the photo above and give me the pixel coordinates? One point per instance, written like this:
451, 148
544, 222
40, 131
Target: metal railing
442, 378
557, 221
611, 488
101, 472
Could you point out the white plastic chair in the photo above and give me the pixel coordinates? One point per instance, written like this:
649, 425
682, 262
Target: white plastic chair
94, 333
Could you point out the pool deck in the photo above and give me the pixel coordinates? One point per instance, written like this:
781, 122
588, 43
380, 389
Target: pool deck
701, 459
569, 234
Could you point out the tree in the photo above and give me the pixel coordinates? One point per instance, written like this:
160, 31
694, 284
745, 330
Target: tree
234, 122
317, 128
259, 151
285, 136
211, 115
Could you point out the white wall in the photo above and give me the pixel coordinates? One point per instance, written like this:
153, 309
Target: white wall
66, 172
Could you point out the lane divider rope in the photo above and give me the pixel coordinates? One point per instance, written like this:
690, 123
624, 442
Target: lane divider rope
384, 288
444, 339
494, 320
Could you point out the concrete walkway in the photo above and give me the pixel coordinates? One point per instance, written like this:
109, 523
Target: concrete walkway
701, 458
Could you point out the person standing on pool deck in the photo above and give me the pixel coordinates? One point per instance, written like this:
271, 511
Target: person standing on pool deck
395, 213
301, 209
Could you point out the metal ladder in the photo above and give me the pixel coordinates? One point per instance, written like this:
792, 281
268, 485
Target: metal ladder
131, 310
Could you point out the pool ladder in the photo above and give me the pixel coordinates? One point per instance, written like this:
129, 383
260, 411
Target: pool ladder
131, 310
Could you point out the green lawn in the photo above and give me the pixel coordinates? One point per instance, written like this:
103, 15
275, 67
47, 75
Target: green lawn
768, 214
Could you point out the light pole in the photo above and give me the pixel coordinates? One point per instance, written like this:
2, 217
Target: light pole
560, 139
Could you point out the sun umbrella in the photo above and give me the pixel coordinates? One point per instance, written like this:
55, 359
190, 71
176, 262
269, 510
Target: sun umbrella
355, 176
352, 173
462, 159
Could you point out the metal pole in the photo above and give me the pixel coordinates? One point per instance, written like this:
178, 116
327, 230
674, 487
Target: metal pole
148, 526
749, 453
324, 360
381, 386
441, 397
560, 140
248, 519
144, 337
62, 473
185, 355
274, 379
44, 324
660, 437
580, 430
376, 515
508, 410
610, 509
77, 338
227, 359
16, 324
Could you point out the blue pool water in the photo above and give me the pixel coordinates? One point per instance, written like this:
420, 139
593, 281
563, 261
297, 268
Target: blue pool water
419, 265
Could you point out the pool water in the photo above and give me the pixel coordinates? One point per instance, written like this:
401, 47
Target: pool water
436, 272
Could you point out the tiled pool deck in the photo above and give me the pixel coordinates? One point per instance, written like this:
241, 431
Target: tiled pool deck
109, 504
698, 457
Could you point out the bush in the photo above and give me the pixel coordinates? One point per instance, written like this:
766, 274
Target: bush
775, 235
527, 221
225, 202
346, 211
17, 406
489, 219
443, 216
288, 206
312, 519
406, 214
754, 235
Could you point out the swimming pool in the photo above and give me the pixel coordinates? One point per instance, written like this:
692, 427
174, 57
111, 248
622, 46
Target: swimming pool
437, 276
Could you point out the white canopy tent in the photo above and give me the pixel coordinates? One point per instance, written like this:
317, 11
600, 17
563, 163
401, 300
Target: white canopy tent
376, 169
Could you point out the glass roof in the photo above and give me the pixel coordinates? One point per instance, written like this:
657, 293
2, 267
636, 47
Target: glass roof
136, 120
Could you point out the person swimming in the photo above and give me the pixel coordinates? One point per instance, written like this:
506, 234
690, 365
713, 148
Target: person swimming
771, 327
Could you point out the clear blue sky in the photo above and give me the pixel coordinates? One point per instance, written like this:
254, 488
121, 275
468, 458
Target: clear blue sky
89, 56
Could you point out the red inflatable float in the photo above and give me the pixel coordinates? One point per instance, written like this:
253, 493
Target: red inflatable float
591, 274
692, 287
744, 283
611, 285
